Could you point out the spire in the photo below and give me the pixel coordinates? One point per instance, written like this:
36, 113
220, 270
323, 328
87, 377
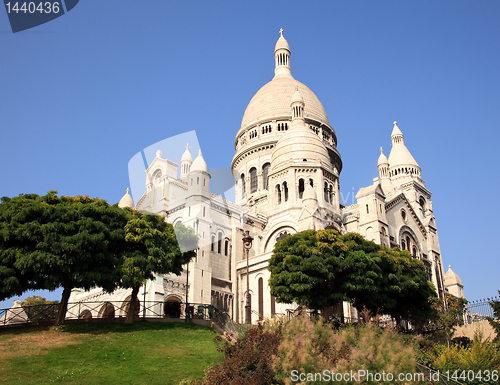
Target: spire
397, 135
382, 159
186, 162
401, 162
282, 56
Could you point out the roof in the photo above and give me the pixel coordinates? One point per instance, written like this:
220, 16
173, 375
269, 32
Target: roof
272, 101
126, 201
199, 163
451, 278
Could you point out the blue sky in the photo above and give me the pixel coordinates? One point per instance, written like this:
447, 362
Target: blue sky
81, 95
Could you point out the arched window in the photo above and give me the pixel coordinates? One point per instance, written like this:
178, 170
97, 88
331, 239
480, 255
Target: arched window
311, 182
414, 252
278, 194
326, 192
213, 243
301, 188
265, 173
226, 247
243, 186
403, 245
285, 191
219, 243
330, 194
421, 202
156, 177
261, 299
253, 180
384, 234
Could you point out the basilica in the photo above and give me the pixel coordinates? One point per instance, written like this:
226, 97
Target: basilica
287, 169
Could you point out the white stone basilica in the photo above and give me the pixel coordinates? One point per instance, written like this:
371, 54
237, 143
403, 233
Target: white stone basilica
287, 166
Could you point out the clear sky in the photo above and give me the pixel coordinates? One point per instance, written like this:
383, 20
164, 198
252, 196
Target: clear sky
81, 95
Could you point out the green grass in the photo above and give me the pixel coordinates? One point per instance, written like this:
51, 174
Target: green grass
106, 353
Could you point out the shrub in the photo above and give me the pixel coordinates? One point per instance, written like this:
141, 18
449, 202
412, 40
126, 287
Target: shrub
248, 361
478, 356
313, 347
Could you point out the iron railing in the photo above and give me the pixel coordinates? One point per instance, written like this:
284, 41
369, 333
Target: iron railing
119, 309
477, 311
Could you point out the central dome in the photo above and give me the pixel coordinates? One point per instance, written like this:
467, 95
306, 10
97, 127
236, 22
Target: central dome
272, 101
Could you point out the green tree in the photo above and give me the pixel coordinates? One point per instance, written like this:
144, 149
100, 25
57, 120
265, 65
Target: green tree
322, 268
404, 287
152, 248
50, 242
449, 313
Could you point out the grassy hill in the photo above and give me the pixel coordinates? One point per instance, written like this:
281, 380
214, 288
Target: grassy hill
106, 353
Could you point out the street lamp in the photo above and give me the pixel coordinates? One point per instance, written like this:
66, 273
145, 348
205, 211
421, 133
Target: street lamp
247, 245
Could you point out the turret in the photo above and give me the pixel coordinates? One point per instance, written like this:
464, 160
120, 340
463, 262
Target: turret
282, 56
186, 162
401, 162
198, 178
383, 172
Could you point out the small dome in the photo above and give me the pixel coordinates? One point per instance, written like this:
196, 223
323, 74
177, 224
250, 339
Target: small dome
451, 278
297, 97
300, 144
186, 157
382, 159
199, 164
126, 201
400, 155
281, 44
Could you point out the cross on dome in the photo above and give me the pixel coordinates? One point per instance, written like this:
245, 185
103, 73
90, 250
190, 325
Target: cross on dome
281, 32
381, 150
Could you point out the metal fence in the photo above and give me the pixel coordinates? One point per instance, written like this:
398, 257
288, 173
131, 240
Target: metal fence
118, 309
477, 311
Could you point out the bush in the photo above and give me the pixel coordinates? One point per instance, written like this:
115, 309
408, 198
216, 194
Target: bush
248, 361
478, 356
310, 347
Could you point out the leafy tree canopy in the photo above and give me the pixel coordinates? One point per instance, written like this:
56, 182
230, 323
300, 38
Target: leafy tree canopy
322, 268
49, 241
153, 248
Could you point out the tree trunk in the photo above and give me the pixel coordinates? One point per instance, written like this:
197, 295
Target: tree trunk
326, 312
63, 306
133, 304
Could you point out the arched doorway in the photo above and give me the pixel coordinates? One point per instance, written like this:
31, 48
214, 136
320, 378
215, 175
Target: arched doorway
107, 311
86, 314
173, 307
126, 306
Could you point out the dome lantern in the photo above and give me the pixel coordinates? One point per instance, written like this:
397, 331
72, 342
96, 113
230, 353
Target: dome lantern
186, 162
282, 56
